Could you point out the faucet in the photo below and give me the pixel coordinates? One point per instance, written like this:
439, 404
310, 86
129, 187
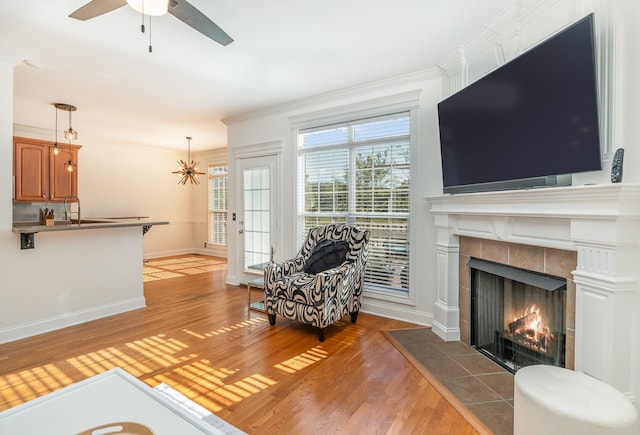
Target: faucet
67, 213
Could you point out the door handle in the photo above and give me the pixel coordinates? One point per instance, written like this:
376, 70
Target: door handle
240, 231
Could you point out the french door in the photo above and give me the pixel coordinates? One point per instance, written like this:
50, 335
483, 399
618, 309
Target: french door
256, 223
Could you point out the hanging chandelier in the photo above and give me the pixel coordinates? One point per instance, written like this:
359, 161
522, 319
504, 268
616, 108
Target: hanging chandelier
188, 171
69, 134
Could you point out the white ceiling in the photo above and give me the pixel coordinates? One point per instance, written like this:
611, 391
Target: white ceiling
283, 50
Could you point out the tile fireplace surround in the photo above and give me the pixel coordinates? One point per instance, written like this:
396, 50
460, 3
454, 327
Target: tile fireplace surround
600, 227
551, 261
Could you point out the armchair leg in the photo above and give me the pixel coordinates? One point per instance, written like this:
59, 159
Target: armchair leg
272, 319
321, 334
354, 316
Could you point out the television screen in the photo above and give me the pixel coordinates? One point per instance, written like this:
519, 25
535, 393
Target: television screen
532, 119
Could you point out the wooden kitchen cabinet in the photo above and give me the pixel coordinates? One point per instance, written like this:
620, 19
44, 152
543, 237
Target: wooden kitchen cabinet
39, 174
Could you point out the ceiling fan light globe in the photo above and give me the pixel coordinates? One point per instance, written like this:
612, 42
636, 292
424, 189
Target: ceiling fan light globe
150, 7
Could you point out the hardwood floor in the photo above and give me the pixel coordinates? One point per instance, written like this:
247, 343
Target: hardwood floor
197, 335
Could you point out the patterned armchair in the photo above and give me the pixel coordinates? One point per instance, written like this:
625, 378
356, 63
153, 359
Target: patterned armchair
322, 298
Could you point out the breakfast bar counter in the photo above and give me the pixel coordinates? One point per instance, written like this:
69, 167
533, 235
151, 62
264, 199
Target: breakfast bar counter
28, 229
84, 224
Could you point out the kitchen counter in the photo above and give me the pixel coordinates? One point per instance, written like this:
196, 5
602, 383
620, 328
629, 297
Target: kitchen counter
84, 224
27, 230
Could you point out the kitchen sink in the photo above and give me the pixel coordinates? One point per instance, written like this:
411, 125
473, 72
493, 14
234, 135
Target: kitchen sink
87, 221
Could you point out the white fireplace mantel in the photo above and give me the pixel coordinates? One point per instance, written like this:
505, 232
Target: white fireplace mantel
600, 222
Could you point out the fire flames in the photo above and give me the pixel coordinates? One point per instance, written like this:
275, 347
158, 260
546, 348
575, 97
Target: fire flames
531, 331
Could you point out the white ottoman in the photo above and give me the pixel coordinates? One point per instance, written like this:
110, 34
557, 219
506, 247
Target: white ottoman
553, 400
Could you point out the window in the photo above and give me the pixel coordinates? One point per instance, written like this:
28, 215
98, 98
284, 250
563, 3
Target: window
359, 172
218, 201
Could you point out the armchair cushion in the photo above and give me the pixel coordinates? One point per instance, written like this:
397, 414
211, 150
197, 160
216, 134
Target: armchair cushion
326, 255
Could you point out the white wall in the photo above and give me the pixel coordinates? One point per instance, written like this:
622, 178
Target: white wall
277, 126
629, 39
70, 277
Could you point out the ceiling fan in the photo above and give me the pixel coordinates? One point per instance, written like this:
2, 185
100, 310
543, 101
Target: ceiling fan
181, 9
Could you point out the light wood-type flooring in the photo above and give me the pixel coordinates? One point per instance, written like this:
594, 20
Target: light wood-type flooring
197, 336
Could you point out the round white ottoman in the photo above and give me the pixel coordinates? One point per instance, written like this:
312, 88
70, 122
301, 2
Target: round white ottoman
553, 400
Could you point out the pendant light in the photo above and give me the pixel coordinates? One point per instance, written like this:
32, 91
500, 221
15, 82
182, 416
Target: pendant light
71, 133
68, 134
188, 171
69, 165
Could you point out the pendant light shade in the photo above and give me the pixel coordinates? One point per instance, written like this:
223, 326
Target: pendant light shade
70, 134
70, 166
150, 7
188, 171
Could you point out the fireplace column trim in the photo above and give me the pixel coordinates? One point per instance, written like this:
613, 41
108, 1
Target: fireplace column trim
446, 319
606, 280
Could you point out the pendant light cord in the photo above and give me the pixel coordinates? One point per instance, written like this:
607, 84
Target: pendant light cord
56, 144
142, 25
142, 28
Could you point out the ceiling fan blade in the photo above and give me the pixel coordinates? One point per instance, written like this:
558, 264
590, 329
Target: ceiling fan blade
95, 8
187, 13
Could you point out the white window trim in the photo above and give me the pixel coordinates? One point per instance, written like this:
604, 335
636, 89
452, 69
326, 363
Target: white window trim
210, 212
404, 102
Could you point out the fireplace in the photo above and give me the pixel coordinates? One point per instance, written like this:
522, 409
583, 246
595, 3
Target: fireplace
517, 316
586, 234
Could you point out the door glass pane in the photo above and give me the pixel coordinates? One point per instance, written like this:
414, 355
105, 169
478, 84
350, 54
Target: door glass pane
257, 208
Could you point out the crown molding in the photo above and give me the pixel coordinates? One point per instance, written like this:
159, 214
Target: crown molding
355, 92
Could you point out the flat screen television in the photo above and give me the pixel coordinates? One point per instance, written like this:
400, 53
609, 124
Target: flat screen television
530, 123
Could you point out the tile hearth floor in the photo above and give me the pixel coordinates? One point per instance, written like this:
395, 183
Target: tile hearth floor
481, 385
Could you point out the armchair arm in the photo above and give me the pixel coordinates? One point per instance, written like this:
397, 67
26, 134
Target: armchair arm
330, 282
284, 268
275, 271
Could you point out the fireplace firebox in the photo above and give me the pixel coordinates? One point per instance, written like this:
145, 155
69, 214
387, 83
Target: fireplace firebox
517, 316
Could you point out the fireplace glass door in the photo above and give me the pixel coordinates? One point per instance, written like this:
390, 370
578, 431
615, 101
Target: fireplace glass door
517, 324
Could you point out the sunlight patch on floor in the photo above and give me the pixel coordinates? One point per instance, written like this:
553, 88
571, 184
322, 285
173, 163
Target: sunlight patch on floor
303, 360
154, 270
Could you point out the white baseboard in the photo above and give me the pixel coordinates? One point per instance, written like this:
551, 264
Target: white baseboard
159, 254
213, 252
201, 251
447, 334
232, 279
397, 312
30, 329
